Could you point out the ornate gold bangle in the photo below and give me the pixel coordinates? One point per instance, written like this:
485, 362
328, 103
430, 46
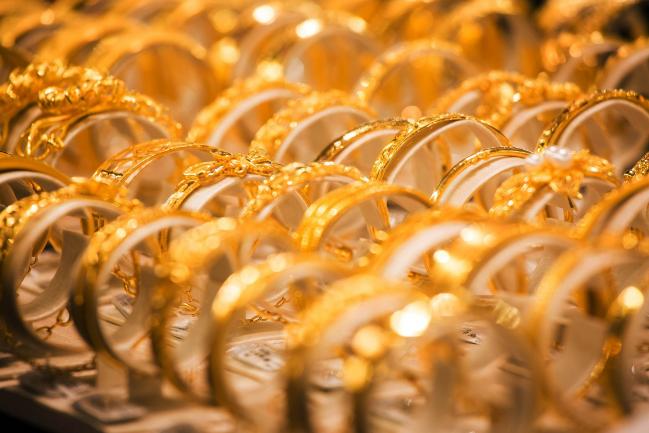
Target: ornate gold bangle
561, 132
500, 98
213, 123
224, 166
277, 135
66, 108
295, 177
124, 167
556, 171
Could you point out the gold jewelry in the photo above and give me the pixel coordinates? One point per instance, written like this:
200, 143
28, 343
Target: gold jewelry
25, 224
99, 263
24, 85
470, 181
360, 146
606, 275
277, 137
378, 89
556, 171
321, 217
209, 252
619, 144
66, 110
204, 179
299, 178
428, 143
223, 123
251, 285
130, 165
510, 102
113, 52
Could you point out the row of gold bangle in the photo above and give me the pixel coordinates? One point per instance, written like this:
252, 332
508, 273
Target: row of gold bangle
453, 249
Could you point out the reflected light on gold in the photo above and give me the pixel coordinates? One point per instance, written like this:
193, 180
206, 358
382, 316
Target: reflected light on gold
412, 320
446, 305
631, 298
264, 14
308, 28
369, 341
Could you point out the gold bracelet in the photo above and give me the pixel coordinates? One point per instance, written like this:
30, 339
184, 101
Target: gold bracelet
428, 134
509, 101
217, 121
24, 85
111, 54
67, 109
375, 80
277, 136
321, 217
365, 297
562, 132
360, 146
213, 250
24, 232
464, 183
594, 312
100, 261
132, 163
240, 292
295, 178
247, 168
399, 255
556, 171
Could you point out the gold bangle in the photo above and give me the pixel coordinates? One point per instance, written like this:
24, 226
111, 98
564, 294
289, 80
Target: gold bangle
276, 137
403, 148
556, 171
97, 265
639, 170
244, 288
73, 42
618, 67
500, 98
379, 297
323, 214
373, 82
126, 166
291, 178
482, 250
396, 257
361, 145
291, 49
214, 123
561, 132
67, 108
24, 229
24, 85
203, 250
17, 215
509, 38
456, 190
614, 215
250, 169
574, 270
111, 54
